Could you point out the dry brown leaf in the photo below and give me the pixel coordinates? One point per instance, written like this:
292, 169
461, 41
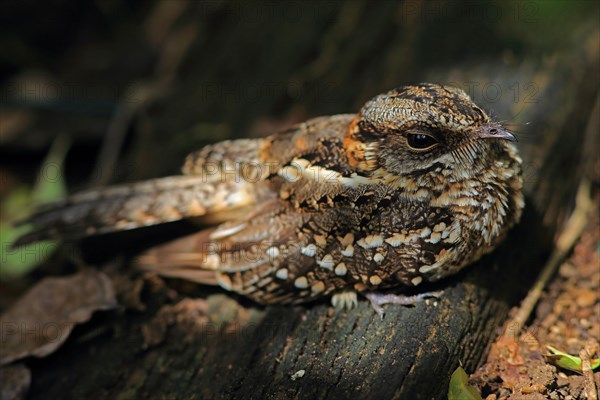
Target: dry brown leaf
188, 314
43, 318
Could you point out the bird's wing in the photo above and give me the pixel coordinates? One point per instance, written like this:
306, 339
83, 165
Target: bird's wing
268, 255
220, 183
258, 159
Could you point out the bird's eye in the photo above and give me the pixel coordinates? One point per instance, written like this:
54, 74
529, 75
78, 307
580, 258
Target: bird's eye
420, 141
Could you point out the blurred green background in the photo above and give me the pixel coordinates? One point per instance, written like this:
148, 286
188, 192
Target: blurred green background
122, 90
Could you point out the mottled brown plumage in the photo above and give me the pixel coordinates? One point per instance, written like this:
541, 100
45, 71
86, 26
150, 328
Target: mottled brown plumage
417, 185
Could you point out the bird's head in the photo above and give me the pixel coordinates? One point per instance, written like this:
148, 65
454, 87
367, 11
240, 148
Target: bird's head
414, 130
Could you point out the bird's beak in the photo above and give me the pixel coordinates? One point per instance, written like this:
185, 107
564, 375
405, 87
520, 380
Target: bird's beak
495, 131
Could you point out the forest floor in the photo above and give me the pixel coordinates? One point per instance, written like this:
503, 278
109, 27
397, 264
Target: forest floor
568, 319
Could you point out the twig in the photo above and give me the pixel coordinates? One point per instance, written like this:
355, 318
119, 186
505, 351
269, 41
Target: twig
564, 243
176, 44
588, 374
115, 135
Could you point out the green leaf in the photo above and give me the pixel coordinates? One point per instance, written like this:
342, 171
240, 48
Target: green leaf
567, 361
459, 389
50, 185
20, 202
23, 259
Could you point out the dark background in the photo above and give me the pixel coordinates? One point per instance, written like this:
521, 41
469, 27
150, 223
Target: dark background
190, 73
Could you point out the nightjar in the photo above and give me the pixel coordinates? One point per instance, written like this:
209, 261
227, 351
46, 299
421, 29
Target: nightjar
417, 185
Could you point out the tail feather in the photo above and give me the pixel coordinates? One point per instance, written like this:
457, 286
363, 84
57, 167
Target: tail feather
137, 205
181, 258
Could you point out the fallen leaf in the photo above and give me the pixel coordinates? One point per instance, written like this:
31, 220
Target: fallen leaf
43, 318
459, 389
189, 315
567, 361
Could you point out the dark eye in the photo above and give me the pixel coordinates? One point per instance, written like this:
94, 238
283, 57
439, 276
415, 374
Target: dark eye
420, 141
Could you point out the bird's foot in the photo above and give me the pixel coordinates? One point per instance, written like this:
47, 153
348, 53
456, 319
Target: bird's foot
379, 299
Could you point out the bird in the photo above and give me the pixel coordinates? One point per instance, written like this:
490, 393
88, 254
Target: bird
418, 184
